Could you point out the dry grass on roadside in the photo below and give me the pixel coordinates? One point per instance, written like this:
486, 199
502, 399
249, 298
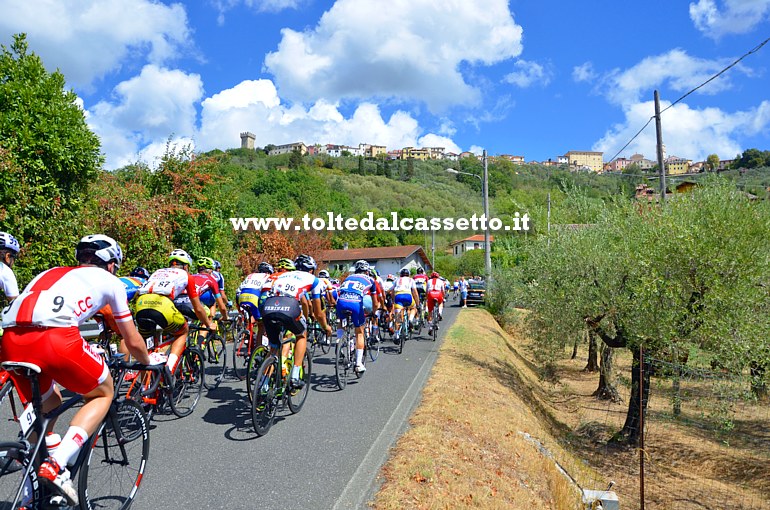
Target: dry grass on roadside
464, 448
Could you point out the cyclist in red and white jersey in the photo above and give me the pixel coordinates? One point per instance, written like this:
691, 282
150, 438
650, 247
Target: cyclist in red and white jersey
436, 294
42, 328
155, 306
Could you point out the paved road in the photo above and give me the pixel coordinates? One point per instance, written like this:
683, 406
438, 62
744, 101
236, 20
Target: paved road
326, 457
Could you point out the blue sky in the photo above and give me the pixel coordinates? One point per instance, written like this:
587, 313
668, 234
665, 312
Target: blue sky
522, 77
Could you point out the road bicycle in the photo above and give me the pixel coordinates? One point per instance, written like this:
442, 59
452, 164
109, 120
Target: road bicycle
272, 386
214, 350
108, 468
244, 342
433, 323
419, 319
373, 338
317, 337
153, 390
405, 330
345, 352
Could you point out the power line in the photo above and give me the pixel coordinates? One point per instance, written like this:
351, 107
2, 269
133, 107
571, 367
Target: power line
751, 51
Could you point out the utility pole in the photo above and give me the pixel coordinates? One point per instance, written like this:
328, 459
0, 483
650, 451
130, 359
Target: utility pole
661, 164
487, 244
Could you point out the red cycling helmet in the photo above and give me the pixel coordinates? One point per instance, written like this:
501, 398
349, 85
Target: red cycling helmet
434, 274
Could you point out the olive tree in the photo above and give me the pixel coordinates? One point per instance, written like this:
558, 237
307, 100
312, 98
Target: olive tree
694, 273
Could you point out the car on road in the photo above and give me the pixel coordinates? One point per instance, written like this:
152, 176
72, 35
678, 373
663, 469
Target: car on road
477, 290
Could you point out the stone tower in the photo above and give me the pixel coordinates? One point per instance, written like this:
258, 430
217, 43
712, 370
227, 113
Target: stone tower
247, 140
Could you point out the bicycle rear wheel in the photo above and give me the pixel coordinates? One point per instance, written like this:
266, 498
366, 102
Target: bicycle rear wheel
188, 384
241, 352
342, 365
297, 397
216, 361
404, 333
373, 346
265, 402
114, 459
434, 323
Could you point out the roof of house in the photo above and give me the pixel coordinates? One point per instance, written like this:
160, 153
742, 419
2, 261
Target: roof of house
384, 252
476, 238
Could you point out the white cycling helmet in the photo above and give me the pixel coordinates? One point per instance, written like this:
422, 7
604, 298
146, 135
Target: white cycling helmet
180, 256
8, 242
104, 247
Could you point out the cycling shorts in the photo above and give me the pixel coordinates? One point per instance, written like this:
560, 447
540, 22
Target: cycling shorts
154, 310
250, 301
434, 296
404, 301
368, 305
356, 309
185, 307
62, 355
282, 311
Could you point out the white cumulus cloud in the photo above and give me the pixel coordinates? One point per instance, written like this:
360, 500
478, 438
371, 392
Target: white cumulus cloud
676, 69
87, 40
687, 132
148, 108
410, 50
718, 18
528, 73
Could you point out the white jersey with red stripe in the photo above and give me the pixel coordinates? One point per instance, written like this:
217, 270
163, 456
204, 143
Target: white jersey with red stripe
404, 285
67, 296
436, 284
170, 282
420, 281
296, 284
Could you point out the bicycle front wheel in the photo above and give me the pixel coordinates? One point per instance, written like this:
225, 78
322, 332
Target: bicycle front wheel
264, 401
13, 463
115, 459
297, 397
255, 361
188, 384
216, 361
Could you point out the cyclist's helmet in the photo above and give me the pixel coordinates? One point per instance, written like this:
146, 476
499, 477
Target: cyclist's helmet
104, 247
361, 266
305, 263
404, 272
140, 272
264, 267
323, 273
373, 273
205, 263
8, 242
390, 277
434, 274
180, 256
285, 264
217, 265
420, 270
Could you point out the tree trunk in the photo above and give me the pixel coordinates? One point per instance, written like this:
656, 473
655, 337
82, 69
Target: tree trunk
575, 346
758, 383
630, 433
593, 363
676, 388
606, 390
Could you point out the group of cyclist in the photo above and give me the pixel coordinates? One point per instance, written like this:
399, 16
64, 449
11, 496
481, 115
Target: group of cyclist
41, 323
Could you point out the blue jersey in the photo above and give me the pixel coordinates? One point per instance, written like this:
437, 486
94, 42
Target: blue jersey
356, 286
132, 285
